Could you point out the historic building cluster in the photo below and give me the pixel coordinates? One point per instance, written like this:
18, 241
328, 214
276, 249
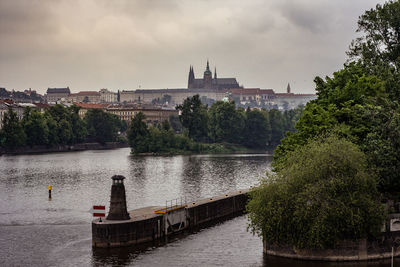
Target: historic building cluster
157, 104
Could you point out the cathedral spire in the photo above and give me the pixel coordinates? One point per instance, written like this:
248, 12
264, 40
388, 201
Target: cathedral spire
215, 73
288, 88
207, 71
191, 77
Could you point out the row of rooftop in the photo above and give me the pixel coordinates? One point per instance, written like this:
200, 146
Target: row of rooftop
253, 97
209, 88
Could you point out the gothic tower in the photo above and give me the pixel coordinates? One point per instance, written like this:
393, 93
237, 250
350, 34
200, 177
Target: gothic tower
207, 78
288, 88
191, 77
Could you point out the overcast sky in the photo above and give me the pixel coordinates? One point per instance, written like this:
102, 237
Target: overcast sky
127, 44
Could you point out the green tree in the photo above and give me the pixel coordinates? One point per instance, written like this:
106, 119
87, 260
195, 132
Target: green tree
52, 126
378, 48
12, 134
76, 129
342, 100
322, 194
138, 134
257, 129
194, 117
102, 126
380, 42
35, 127
64, 132
277, 123
175, 123
226, 124
78, 125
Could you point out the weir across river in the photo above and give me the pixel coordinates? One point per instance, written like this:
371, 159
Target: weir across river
122, 228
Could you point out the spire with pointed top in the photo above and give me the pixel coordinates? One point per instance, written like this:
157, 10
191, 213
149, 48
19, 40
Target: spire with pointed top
288, 88
191, 77
207, 72
215, 73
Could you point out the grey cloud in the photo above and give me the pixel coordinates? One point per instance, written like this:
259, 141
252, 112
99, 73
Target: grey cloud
140, 8
120, 44
315, 17
26, 17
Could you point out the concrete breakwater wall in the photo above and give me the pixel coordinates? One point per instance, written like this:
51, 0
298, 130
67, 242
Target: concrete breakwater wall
382, 247
157, 223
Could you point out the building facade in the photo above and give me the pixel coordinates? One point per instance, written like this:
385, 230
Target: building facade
107, 96
56, 94
85, 97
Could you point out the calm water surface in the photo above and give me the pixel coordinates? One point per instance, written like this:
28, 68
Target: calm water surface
36, 231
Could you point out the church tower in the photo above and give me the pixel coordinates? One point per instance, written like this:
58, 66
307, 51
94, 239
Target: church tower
207, 78
191, 77
288, 88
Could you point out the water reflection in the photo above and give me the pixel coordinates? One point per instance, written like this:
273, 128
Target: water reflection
270, 261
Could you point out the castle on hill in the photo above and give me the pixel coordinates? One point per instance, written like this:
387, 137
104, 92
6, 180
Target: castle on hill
208, 82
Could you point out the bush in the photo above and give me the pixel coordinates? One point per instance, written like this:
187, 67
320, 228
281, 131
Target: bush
324, 193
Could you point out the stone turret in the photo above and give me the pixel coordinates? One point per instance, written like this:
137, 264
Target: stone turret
118, 210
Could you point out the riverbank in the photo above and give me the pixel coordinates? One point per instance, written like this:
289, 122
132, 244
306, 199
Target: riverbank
62, 148
217, 148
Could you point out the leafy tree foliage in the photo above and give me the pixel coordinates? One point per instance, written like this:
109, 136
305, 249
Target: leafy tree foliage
380, 42
12, 134
363, 98
322, 193
35, 127
58, 125
276, 121
143, 139
66, 125
257, 129
175, 123
194, 117
225, 122
342, 100
138, 134
77, 124
378, 49
102, 126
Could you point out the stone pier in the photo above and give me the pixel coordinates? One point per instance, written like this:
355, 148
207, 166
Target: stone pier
140, 226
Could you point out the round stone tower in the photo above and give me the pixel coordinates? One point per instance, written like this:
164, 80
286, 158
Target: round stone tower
118, 210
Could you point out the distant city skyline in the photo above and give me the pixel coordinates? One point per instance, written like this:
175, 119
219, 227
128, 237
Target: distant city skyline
127, 45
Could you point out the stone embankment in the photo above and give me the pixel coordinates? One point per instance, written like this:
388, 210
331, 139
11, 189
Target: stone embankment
157, 223
62, 148
383, 247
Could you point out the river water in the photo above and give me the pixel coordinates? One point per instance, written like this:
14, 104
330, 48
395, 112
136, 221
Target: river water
36, 231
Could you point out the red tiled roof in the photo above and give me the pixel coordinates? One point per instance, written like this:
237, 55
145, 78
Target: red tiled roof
267, 91
8, 101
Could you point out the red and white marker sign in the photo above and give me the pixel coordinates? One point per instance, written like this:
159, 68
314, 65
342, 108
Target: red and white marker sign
99, 211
